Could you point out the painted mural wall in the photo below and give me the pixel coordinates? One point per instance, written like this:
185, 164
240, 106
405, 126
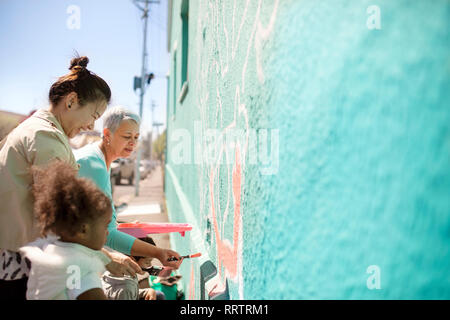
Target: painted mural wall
309, 146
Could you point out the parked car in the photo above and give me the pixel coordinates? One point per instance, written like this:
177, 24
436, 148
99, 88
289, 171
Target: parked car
146, 168
122, 169
143, 172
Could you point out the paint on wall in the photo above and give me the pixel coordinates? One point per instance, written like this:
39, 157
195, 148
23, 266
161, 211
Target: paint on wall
348, 199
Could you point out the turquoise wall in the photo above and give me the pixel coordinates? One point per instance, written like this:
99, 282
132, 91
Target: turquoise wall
353, 201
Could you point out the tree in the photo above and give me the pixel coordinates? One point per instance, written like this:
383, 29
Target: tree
159, 146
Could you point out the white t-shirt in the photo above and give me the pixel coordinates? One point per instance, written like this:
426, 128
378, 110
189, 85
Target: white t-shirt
62, 270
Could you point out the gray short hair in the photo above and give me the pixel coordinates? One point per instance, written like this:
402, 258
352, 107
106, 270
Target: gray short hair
114, 116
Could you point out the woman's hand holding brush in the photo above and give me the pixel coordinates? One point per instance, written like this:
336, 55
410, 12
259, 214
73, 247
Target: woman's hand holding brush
196, 255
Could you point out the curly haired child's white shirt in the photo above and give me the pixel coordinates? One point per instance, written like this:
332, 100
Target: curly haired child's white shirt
62, 270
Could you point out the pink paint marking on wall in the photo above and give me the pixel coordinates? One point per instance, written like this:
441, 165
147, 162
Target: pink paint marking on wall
192, 284
227, 253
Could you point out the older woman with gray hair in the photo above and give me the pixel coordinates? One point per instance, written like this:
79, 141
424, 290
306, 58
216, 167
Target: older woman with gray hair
120, 137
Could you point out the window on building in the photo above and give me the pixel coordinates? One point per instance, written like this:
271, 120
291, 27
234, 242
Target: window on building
184, 47
174, 77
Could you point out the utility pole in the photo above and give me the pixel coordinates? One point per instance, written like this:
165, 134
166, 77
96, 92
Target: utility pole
145, 11
151, 129
157, 125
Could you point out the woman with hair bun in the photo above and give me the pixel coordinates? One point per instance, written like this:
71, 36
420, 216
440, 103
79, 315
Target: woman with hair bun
77, 100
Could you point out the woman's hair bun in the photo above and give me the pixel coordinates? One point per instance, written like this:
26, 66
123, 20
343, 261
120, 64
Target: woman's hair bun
88, 86
79, 61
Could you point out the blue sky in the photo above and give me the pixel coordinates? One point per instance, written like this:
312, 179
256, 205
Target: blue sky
36, 46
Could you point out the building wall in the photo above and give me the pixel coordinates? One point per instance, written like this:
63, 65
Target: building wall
337, 183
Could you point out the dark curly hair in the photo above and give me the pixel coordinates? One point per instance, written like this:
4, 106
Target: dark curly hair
63, 201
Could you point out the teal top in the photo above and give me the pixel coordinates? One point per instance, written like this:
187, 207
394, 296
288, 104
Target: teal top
93, 166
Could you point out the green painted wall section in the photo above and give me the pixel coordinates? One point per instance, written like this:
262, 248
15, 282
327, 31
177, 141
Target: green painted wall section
349, 198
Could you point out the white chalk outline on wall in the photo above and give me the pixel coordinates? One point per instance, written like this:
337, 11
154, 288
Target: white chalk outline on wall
228, 254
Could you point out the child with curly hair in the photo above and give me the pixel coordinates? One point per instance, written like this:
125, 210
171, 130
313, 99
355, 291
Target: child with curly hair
73, 215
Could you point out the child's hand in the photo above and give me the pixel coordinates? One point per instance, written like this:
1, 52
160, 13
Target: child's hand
122, 265
150, 294
169, 281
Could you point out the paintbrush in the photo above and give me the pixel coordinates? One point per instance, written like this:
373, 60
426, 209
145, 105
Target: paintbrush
195, 255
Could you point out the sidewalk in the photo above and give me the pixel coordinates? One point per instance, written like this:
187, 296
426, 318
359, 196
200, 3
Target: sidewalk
151, 203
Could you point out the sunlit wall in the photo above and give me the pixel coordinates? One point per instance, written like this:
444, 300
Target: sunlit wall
309, 146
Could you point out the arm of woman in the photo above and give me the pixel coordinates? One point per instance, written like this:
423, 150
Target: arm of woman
143, 249
48, 146
116, 239
93, 168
